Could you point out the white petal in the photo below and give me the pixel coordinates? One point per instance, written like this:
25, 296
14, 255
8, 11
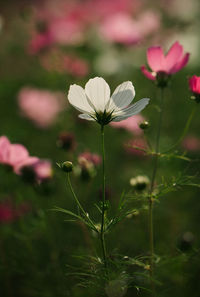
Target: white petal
85, 116
130, 111
122, 96
78, 99
98, 93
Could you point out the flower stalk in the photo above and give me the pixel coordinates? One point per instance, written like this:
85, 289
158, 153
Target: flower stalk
102, 231
150, 197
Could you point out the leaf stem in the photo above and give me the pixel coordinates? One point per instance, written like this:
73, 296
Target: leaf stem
78, 203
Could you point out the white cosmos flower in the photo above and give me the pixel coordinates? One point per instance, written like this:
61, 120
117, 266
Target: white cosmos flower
96, 104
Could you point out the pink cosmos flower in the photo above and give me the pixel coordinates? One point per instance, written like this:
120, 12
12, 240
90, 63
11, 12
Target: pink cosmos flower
43, 170
41, 106
194, 84
39, 42
168, 64
14, 155
130, 124
86, 157
122, 28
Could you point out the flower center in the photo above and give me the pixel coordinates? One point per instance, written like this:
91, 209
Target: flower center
103, 118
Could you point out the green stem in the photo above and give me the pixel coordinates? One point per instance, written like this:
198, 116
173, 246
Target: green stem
155, 167
102, 232
78, 203
185, 130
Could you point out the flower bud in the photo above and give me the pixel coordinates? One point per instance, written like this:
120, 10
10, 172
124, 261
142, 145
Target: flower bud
139, 182
144, 125
67, 166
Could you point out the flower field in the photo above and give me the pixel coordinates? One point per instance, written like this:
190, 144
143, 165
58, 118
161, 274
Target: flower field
99, 148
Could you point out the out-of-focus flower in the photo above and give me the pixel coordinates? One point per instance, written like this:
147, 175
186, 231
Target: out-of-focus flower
56, 60
43, 170
137, 147
10, 213
130, 124
87, 165
17, 156
191, 143
194, 84
14, 155
140, 182
41, 106
122, 28
66, 141
85, 157
96, 104
164, 66
39, 42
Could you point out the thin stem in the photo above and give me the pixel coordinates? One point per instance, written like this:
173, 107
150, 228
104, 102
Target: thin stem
102, 237
78, 203
185, 130
155, 167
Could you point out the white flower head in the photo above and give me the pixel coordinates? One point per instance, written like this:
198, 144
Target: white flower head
96, 104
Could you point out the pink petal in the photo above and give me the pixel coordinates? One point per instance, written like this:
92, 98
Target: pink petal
4, 148
194, 84
156, 58
17, 154
26, 162
180, 64
174, 54
147, 73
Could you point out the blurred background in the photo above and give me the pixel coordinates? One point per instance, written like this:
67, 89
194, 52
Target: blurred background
45, 47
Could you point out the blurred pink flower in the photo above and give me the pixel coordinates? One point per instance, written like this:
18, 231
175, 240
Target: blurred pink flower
122, 28
9, 212
41, 106
14, 155
43, 170
191, 143
85, 157
131, 124
174, 60
56, 60
66, 141
136, 146
39, 42
66, 30
194, 84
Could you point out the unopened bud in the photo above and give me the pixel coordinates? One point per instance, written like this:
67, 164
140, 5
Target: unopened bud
144, 125
67, 166
139, 182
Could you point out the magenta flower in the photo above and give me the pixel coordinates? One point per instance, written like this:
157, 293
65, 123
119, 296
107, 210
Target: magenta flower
194, 84
167, 64
41, 106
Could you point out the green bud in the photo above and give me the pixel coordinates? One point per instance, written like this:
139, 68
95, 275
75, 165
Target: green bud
67, 166
144, 125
